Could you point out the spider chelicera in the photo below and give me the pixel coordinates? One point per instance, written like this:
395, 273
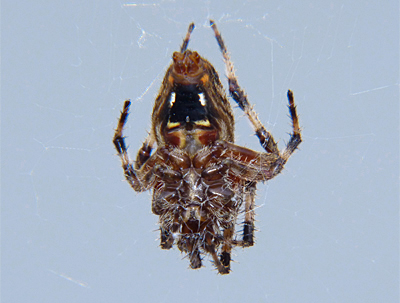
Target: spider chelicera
200, 179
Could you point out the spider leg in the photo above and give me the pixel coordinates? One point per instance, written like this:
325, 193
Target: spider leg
195, 259
248, 229
187, 38
167, 240
295, 137
190, 245
167, 232
225, 257
144, 152
143, 155
266, 139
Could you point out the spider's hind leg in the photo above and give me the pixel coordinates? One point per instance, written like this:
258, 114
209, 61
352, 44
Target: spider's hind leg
190, 245
225, 256
248, 228
222, 264
168, 231
167, 239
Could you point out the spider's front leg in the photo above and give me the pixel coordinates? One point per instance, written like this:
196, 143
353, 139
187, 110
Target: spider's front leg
131, 173
265, 137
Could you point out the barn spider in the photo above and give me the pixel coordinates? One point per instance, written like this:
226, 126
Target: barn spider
200, 179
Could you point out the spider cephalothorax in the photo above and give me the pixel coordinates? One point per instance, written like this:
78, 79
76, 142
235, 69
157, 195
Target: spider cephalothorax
200, 179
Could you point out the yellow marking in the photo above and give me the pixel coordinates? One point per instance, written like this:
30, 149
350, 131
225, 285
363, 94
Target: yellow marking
205, 123
173, 124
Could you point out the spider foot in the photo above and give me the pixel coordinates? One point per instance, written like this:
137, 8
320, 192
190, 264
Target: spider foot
167, 239
248, 234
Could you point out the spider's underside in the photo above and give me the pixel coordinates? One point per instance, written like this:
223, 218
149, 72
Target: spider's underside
200, 179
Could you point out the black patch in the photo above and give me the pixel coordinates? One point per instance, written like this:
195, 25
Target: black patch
187, 105
248, 234
225, 258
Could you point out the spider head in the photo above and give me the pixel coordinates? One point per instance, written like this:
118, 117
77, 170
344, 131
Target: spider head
187, 68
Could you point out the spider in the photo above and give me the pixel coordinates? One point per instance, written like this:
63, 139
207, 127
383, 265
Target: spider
200, 179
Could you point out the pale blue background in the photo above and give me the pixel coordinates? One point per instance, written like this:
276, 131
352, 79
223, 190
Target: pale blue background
74, 231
